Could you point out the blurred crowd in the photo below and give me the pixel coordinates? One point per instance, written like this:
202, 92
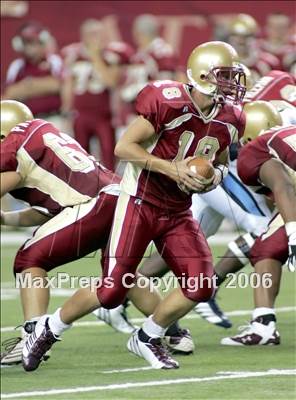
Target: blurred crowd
88, 88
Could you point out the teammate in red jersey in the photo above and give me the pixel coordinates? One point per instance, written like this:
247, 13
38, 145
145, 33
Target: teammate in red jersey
70, 195
279, 39
92, 71
279, 88
268, 163
176, 122
35, 77
154, 59
242, 36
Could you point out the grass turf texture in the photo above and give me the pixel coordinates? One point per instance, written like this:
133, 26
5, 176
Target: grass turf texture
87, 351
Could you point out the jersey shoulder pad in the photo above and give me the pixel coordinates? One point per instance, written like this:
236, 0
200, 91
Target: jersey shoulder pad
156, 100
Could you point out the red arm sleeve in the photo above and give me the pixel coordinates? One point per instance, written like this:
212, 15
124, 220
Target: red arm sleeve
9, 149
148, 104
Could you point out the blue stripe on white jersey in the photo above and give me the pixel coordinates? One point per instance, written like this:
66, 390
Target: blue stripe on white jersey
241, 195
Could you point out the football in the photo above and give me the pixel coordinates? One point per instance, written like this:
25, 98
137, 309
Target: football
204, 168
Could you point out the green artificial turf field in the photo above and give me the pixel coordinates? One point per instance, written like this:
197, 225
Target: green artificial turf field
81, 365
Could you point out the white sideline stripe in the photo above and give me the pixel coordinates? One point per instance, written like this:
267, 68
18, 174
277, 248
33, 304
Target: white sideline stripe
10, 293
164, 382
114, 371
236, 313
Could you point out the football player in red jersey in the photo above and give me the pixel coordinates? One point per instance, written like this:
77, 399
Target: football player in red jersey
176, 122
92, 71
70, 195
268, 163
242, 36
154, 59
279, 39
279, 88
35, 77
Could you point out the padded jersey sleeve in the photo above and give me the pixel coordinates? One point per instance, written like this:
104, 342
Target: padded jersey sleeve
9, 148
148, 104
282, 146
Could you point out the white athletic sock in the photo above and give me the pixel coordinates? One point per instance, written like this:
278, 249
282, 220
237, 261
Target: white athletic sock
57, 326
260, 311
152, 329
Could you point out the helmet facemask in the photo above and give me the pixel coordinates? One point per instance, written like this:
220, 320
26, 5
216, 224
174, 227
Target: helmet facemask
230, 83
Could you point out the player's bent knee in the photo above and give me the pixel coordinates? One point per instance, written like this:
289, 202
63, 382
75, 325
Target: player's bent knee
110, 298
200, 295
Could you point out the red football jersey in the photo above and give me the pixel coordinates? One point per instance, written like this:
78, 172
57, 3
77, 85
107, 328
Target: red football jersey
278, 143
56, 172
90, 92
277, 85
181, 130
164, 55
20, 69
260, 63
157, 61
284, 53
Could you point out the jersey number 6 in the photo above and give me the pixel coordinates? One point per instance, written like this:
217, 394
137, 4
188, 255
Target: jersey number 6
75, 159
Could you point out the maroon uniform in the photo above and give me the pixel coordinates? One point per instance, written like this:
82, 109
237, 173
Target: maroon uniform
56, 172
277, 85
284, 53
21, 68
260, 63
60, 179
157, 61
163, 55
278, 143
181, 131
92, 97
151, 207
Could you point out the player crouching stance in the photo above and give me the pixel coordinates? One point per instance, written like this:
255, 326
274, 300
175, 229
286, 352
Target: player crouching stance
268, 163
70, 195
176, 122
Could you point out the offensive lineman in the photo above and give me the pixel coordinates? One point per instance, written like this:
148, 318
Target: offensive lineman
70, 195
268, 163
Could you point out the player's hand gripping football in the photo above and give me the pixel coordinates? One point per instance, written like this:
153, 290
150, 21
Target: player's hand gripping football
187, 180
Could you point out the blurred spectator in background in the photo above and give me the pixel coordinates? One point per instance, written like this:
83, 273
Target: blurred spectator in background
279, 39
243, 31
150, 45
35, 77
154, 59
92, 70
14, 9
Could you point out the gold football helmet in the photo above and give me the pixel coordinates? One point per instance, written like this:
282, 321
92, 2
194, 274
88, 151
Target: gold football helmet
213, 69
13, 113
260, 116
243, 25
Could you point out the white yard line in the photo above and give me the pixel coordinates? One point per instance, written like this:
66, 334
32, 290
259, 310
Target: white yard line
115, 371
236, 313
11, 293
164, 382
